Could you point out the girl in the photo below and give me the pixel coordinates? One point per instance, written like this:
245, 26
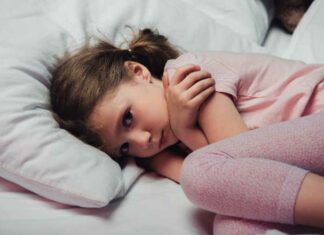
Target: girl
113, 99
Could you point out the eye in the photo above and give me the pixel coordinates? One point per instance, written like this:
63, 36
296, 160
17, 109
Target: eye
127, 119
124, 149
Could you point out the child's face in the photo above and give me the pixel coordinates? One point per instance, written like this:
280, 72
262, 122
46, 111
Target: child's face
134, 120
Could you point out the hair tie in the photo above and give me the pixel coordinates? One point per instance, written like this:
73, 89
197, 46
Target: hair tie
130, 54
134, 56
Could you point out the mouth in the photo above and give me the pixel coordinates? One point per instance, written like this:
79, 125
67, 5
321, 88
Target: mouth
161, 140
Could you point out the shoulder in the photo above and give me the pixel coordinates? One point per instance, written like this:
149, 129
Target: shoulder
218, 59
187, 58
205, 59
219, 118
194, 57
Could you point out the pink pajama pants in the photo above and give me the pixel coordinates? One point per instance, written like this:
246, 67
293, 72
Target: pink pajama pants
251, 181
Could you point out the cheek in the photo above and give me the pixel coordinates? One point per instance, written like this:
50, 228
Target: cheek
156, 109
161, 114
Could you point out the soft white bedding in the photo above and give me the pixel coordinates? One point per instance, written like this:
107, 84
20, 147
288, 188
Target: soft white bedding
152, 205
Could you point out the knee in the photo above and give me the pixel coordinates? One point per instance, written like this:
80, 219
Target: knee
190, 175
197, 170
204, 179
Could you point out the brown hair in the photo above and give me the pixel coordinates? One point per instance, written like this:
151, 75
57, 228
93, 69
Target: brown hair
82, 79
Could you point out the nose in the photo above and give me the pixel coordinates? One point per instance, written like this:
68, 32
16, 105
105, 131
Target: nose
140, 138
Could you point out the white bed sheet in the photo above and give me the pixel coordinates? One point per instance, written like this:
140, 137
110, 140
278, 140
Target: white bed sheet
153, 205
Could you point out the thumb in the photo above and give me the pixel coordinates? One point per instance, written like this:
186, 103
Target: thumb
165, 80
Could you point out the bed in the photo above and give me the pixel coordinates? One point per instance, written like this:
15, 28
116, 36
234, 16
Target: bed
51, 183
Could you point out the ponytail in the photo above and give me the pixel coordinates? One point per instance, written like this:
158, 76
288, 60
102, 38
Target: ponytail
152, 50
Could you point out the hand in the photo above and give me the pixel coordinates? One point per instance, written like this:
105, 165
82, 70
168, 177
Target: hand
186, 92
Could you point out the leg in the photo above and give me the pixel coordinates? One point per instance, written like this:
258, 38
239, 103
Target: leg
225, 225
258, 174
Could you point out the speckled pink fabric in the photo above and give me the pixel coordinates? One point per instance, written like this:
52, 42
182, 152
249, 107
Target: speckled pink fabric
225, 225
256, 175
265, 89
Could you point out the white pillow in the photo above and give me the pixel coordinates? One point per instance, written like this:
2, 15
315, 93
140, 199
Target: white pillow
247, 18
35, 153
307, 40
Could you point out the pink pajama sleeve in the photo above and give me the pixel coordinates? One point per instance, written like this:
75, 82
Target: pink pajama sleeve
257, 174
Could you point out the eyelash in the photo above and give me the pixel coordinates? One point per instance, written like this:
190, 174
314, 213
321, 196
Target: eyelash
126, 122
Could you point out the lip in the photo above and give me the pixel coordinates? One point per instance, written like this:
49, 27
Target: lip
161, 140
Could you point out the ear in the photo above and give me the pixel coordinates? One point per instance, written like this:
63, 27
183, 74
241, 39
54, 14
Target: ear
138, 71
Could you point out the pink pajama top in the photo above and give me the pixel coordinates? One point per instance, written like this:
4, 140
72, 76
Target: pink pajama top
265, 89
257, 174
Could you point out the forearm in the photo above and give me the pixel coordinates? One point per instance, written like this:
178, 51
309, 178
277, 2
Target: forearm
167, 164
219, 118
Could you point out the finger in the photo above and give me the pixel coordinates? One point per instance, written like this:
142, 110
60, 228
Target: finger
193, 78
198, 100
199, 87
182, 72
165, 80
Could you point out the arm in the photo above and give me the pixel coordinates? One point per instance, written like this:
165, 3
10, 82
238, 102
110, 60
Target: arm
167, 163
188, 101
185, 94
189, 89
219, 118
227, 123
